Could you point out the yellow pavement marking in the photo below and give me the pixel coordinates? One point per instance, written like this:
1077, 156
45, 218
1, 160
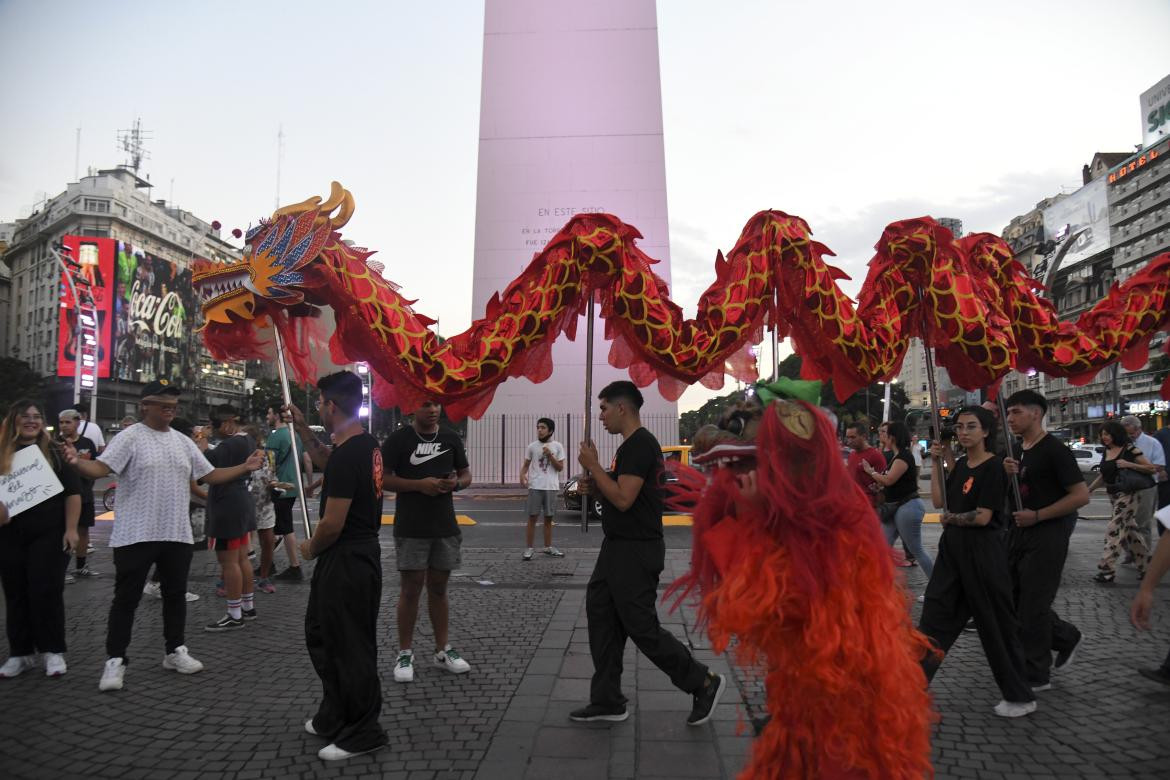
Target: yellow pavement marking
460, 519
932, 517
678, 520
105, 516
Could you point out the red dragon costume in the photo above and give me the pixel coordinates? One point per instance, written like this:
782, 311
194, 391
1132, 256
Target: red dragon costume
970, 299
787, 558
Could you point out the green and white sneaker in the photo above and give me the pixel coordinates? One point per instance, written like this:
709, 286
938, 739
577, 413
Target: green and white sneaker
450, 660
404, 667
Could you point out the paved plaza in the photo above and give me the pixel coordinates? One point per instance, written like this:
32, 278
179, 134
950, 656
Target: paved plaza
522, 626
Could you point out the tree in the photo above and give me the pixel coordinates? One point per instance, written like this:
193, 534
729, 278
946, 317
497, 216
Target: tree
20, 381
266, 393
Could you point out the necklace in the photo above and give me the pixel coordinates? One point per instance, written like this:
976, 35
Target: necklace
420, 436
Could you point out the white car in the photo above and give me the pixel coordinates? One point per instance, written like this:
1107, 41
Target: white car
1089, 459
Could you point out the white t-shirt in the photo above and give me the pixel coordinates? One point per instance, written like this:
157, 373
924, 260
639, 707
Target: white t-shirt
542, 475
154, 469
92, 432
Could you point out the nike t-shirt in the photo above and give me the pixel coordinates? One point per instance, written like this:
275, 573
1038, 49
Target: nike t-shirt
410, 455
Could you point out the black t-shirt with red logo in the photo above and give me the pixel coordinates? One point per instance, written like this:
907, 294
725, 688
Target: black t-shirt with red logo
412, 456
981, 487
641, 456
354, 471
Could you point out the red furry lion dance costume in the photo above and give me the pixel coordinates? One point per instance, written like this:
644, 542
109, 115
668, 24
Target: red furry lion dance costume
788, 558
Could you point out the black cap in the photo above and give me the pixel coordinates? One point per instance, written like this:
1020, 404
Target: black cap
160, 387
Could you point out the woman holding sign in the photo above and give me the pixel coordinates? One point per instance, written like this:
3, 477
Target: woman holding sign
38, 531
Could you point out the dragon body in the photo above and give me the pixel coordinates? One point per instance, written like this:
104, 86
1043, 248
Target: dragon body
969, 299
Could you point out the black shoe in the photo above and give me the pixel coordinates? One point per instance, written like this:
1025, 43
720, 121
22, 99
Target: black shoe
970, 626
291, 574
1161, 674
225, 623
248, 614
1064, 658
1103, 577
613, 713
706, 699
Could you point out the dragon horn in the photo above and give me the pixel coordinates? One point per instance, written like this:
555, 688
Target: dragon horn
339, 198
308, 204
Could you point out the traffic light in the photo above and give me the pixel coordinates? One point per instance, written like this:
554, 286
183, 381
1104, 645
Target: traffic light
1064, 405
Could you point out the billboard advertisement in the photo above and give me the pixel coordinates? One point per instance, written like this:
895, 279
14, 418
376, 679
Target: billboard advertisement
1156, 113
96, 258
1078, 225
154, 307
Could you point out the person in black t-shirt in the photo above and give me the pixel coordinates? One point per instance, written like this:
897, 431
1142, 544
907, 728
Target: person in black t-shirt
68, 421
231, 518
970, 573
903, 510
622, 593
341, 620
1052, 490
32, 564
424, 465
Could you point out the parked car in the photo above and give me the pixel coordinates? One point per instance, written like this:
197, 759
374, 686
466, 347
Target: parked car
1089, 459
571, 496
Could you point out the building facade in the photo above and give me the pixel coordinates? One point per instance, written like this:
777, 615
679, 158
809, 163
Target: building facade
156, 246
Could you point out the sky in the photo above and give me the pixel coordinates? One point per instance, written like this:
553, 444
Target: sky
849, 114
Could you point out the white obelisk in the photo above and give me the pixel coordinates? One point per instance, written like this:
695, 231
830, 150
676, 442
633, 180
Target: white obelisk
570, 121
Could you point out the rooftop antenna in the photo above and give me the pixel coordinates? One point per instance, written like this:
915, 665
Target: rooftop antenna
133, 143
279, 159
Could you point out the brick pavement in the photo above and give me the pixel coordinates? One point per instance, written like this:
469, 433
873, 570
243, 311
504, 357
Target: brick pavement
525, 636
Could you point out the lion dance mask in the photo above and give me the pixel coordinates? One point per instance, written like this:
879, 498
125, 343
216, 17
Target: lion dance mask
788, 558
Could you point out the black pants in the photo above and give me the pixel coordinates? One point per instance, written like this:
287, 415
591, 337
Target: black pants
1036, 556
621, 602
341, 635
131, 566
970, 580
32, 570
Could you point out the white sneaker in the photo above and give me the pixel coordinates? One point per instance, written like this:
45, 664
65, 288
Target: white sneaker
404, 667
54, 664
554, 552
17, 664
334, 753
309, 728
69, 578
1015, 709
112, 675
192, 596
528, 554
182, 662
452, 661
152, 589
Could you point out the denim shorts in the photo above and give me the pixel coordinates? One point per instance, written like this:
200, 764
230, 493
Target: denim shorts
441, 553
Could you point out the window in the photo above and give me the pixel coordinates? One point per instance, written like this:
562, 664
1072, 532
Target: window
99, 206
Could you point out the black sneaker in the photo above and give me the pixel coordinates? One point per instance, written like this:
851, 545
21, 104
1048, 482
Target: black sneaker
1161, 674
291, 574
706, 698
225, 623
248, 614
614, 713
1064, 658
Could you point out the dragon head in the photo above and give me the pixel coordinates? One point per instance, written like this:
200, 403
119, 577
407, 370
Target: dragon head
278, 253
731, 443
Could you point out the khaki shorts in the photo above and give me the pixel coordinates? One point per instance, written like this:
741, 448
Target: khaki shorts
440, 553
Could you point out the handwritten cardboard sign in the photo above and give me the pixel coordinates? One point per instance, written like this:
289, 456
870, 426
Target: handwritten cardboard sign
30, 481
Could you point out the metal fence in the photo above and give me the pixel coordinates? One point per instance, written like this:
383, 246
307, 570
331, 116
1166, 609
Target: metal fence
496, 443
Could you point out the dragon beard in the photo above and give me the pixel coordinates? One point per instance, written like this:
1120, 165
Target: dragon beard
800, 575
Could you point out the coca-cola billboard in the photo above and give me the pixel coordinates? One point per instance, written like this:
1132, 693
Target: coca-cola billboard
154, 306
